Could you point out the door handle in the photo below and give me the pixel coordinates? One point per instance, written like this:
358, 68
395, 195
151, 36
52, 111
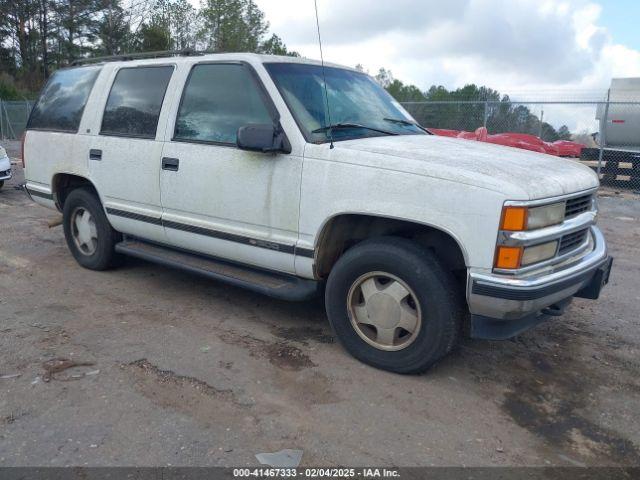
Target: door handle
171, 164
95, 154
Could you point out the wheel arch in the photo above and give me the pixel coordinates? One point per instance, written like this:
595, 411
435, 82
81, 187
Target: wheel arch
64, 183
342, 231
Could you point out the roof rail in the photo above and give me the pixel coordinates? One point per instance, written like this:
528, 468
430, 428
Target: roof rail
187, 52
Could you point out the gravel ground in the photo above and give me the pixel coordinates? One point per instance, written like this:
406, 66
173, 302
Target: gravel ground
185, 371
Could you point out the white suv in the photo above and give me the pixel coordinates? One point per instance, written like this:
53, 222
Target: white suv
233, 167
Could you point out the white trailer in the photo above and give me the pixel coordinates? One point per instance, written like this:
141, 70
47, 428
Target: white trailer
620, 119
617, 158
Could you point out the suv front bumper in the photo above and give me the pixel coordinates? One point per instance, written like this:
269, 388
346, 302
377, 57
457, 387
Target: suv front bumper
503, 306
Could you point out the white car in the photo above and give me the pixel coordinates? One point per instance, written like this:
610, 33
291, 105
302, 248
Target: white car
5, 167
237, 167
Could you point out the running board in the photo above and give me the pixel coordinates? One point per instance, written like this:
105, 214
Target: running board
272, 284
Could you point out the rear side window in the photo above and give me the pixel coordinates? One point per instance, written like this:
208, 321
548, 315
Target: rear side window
217, 100
135, 101
62, 100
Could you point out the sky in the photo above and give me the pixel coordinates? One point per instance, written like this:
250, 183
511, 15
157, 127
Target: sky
535, 49
620, 17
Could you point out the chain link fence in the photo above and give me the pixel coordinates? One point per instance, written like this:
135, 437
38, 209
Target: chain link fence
603, 135
13, 118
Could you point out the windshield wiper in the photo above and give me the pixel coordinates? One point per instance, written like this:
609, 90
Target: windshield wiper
340, 126
402, 121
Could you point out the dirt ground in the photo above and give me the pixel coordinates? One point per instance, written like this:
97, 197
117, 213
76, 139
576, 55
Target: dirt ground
186, 371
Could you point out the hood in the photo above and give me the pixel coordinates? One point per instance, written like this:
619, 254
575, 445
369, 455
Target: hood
519, 174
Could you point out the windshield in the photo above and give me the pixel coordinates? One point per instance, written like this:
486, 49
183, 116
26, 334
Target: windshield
359, 107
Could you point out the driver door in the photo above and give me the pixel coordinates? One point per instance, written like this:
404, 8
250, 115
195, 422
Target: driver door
220, 200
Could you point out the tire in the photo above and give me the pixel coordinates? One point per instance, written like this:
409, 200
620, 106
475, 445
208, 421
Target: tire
99, 253
434, 303
1, 183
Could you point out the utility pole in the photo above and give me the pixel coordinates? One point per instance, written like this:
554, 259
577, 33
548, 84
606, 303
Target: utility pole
603, 128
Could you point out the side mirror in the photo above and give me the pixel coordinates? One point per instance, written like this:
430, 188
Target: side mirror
262, 138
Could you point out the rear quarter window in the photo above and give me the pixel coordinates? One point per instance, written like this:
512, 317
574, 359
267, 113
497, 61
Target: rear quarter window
62, 101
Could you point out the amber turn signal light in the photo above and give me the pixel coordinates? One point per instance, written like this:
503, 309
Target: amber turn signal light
509, 257
514, 219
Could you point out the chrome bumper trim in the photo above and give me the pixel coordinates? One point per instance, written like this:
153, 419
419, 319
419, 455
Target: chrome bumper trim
547, 234
499, 296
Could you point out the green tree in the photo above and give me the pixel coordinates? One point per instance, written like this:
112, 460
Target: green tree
8, 90
183, 22
237, 26
177, 19
384, 77
223, 28
155, 36
468, 108
254, 25
275, 46
22, 42
564, 133
113, 29
405, 93
77, 25
38, 36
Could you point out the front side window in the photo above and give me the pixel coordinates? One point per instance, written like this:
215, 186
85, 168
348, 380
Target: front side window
135, 100
358, 106
62, 100
218, 99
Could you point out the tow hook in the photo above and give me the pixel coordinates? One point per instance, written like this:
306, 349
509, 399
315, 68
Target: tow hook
557, 309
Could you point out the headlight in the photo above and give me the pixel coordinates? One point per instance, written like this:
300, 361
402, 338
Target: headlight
539, 253
540, 217
516, 257
530, 218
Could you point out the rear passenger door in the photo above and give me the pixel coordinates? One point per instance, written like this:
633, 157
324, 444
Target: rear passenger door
218, 199
124, 158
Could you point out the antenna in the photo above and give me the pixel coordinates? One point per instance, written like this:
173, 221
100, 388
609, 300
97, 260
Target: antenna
324, 77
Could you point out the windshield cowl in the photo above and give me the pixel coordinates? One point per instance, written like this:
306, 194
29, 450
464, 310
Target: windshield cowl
329, 129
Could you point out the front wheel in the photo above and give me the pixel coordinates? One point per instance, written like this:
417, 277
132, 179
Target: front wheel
393, 305
1, 183
89, 235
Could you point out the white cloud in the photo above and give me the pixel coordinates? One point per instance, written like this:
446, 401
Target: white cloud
530, 49
511, 45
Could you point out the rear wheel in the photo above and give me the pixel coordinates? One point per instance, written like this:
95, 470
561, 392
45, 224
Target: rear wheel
89, 235
393, 305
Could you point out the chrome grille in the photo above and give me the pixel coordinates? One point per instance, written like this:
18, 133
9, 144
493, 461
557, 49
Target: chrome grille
572, 241
578, 205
